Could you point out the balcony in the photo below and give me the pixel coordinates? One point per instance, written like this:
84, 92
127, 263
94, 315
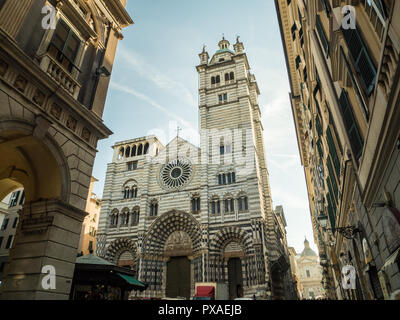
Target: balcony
57, 72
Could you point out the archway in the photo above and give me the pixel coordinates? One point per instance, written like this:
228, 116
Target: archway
171, 255
48, 224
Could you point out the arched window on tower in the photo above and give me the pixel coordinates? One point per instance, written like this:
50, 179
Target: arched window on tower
133, 154
212, 80
140, 150
243, 203
126, 192
231, 76
226, 76
125, 217
217, 79
229, 204
146, 148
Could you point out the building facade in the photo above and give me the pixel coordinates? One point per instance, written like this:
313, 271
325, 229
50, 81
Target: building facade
179, 214
87, 241
295, 273
310, 273
343, 67
9, 225
56, 58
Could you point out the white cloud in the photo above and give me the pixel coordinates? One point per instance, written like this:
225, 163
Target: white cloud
146, 70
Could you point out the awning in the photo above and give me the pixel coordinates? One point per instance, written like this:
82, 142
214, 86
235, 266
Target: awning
132, 280
205, 291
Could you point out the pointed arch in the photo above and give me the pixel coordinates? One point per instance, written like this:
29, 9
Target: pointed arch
133, 153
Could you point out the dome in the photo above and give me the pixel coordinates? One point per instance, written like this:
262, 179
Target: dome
307, 252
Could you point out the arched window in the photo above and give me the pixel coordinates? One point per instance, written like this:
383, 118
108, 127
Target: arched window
135, 216
146, 148
126, 192
153, 208
133, 192
243, 203
212, 80
215, 206
195, 204
114, 218
229, 205
128, 152
232, 76
133, 154
121, 153
217, 79
140, 150
226, 76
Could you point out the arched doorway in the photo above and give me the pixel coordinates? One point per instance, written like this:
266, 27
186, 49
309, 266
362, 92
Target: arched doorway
178, 247
171, 260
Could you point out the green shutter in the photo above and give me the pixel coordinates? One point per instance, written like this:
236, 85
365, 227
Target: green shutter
351, 126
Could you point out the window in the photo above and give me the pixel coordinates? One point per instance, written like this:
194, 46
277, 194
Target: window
14, 199
212, 80
9, 242
21, 200
153, 209
308, 273
217, 79
64, 46
351, 125
15, 222
5, 224
114, 218
1, 241
243, 204
361, 59
146, 148
215, 206
132, 165
195, 204
140, 150
229, 76
322, 35
135, 216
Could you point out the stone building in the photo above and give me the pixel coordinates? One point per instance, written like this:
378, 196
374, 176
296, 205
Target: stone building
343, 67
87, 241
179, 214
309, 273
54, 73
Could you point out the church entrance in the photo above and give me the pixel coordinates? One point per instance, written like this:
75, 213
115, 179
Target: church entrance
178, 277
235, 278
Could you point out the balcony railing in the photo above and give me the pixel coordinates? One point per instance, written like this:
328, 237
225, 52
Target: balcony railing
64, 78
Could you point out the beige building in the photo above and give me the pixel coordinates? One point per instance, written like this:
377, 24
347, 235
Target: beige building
181, 214
343, 67
295, 273
87, 242
309, 273
54, 74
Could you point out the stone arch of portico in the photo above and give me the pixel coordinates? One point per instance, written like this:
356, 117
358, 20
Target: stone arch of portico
34, 160
119, 246
165, 225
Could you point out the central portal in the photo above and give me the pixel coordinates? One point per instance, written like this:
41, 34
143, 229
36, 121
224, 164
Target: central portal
235, 278
178, 277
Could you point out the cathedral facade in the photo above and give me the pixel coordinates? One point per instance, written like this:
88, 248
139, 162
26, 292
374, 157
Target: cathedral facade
181, 214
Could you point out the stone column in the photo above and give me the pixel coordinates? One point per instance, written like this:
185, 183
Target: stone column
47, 235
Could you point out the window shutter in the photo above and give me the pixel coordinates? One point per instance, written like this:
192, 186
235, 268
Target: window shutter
350, 122
361, 58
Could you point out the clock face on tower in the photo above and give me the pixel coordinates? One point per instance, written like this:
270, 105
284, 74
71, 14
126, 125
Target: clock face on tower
176, 173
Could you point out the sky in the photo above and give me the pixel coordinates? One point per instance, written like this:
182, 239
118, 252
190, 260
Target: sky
154, 87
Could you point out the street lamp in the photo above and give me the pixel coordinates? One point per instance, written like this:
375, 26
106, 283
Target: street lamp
348, 232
